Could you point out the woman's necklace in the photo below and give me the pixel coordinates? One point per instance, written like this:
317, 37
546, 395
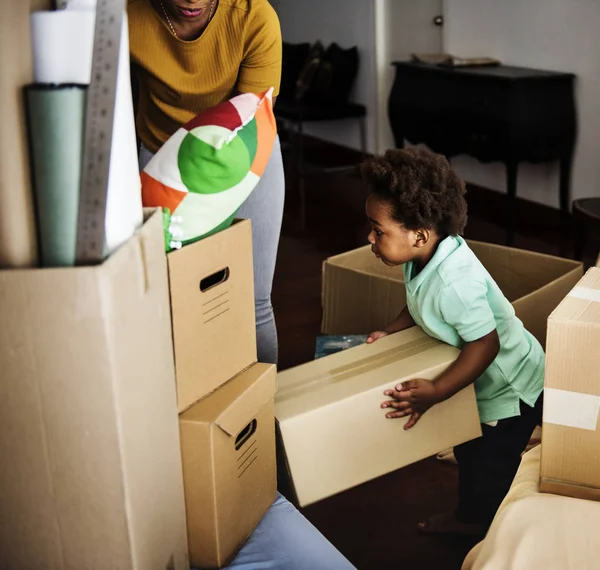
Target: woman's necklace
210, 15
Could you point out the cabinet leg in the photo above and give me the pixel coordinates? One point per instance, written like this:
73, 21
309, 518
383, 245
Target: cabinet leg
565, 202
511, 190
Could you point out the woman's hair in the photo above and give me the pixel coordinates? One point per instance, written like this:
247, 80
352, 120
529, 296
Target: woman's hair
421, 188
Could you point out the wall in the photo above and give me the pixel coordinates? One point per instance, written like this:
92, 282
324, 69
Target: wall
402, 27
550, 34
349, 23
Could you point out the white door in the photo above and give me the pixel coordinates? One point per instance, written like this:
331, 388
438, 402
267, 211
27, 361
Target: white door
402, 27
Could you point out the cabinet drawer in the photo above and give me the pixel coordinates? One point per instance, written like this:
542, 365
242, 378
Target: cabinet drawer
481, 98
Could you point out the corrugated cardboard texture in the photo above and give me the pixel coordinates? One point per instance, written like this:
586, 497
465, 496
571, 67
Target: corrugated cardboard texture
17, 223
228, 451
335, 433
213, 326
533, 282
570, 455
90, 472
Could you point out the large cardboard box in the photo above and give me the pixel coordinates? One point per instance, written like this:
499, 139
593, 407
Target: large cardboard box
361, 294
90, 475
334, 432
212, 302
570, 434
228, 450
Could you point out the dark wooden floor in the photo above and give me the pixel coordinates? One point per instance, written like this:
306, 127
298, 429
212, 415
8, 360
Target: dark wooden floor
374, 525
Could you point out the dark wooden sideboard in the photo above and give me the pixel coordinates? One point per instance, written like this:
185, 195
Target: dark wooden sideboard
501, 113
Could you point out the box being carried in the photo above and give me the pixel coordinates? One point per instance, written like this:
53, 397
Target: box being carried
228, 450
571, 435
212, 302
90, 474
334, 432
361, 294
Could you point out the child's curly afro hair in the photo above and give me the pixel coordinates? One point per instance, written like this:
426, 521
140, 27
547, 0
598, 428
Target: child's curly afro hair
421, 188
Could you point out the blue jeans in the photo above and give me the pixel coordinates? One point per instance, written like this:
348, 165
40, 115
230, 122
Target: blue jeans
265, 208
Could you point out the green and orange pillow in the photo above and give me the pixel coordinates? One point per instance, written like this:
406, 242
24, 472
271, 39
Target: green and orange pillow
209, 167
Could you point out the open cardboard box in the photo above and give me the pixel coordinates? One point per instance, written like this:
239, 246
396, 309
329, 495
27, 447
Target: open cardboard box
333, 434
361, 294
571, 434
212, 303
228, 451
91, 473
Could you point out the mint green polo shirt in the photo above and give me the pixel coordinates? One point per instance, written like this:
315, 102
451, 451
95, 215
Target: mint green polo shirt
455, 300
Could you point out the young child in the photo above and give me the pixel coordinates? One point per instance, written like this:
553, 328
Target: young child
417, 211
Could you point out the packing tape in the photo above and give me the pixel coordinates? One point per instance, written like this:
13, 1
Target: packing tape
571, 409
357, 367
585, 293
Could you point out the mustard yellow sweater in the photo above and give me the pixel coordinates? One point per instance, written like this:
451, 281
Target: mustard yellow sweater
239, 51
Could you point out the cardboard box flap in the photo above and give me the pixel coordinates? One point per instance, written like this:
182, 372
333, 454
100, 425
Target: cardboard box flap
508, 267
141, 255
326, 381
582, 304
534, 283
233, 405
233, 419
520, 272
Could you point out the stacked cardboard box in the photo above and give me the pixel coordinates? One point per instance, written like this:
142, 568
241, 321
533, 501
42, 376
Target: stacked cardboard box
225, 398
90, 473
570, 433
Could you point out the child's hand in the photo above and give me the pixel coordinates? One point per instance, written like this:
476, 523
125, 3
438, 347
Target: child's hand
376, 336
412, 398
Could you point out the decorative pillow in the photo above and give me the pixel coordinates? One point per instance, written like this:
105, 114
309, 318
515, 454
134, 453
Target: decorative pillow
208, 168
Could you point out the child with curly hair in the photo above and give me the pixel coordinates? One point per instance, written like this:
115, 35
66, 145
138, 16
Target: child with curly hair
417, 210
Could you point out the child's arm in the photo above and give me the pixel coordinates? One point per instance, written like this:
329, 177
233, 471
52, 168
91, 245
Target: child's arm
415, 397
401, 322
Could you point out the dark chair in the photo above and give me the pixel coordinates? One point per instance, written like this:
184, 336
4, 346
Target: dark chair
292, 114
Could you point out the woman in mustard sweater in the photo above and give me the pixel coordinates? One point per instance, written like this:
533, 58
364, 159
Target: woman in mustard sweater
190, 55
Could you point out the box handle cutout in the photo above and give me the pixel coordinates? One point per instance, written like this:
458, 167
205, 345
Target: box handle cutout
245, 435
213, 280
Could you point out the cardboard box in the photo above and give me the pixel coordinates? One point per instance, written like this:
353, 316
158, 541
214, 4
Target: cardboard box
212, 303
570, 434
361, 294
334, 432
90, 474
228, 450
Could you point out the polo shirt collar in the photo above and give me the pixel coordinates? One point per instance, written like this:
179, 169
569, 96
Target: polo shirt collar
444, 249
